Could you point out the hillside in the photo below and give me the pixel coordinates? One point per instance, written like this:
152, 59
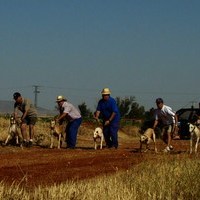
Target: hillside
6, 107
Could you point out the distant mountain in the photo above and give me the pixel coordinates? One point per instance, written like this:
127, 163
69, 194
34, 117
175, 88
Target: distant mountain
6, 107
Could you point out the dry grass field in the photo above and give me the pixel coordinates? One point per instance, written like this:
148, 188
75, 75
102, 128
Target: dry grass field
40, 166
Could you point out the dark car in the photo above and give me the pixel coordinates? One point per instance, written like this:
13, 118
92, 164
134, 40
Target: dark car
185, 116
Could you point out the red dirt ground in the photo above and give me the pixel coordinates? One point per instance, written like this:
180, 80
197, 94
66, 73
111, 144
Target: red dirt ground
35, 166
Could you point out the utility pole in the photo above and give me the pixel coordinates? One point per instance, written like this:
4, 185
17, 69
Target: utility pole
193, 103
36, 91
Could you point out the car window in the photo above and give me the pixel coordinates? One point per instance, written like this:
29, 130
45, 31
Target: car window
185, 115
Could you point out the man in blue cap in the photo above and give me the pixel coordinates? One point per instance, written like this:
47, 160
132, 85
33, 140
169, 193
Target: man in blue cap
28, 118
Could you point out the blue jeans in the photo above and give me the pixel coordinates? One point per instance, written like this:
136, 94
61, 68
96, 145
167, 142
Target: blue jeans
111, 135
71, 132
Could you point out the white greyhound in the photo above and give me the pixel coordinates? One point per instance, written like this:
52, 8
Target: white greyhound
13, 131
195, 132
98, 133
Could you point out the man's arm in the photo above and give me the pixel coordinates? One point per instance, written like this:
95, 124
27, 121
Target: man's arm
96, 115
62, 116
155, 124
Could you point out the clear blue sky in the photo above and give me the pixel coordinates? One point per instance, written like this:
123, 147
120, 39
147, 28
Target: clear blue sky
141, 48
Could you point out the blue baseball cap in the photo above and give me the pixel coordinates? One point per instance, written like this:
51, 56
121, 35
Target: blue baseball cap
16, 95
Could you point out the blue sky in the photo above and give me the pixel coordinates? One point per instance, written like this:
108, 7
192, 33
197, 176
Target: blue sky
141, 48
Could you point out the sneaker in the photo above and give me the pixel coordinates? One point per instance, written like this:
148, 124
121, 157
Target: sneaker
177, 137
25, 143
171, 147
4, 144
167, 149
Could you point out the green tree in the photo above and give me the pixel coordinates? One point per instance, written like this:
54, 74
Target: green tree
136, 111
85, 112
129, 108
124, 105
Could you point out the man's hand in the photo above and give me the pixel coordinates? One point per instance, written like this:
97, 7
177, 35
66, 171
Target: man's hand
107, 122
97, 119
57, 120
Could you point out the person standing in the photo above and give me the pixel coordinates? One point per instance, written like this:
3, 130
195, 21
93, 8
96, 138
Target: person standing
28, 118
73, 116
169, 121
107, 109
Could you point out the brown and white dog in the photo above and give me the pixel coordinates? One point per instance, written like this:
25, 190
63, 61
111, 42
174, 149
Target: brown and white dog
195, 133
146, 138
56, 130
98, 134
13, 131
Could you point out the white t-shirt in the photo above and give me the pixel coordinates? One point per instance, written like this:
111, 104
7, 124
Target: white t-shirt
73, 113
166, 115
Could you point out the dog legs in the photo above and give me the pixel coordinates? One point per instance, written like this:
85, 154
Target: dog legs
146, 147
16, 134
154, 139
51, 146
101, 145
95, 144
191, 140
17, 139
7, 139
191, 145
59, 140
196, 146
52, 140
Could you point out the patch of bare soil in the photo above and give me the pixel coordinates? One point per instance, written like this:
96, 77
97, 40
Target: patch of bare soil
35, 166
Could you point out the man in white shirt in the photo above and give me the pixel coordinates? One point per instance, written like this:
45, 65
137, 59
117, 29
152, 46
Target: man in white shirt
73, 116
169, 120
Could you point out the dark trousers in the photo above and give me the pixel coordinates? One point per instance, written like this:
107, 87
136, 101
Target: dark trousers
111, 135
71, 132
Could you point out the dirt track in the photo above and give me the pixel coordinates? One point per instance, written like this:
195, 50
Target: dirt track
42, 166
